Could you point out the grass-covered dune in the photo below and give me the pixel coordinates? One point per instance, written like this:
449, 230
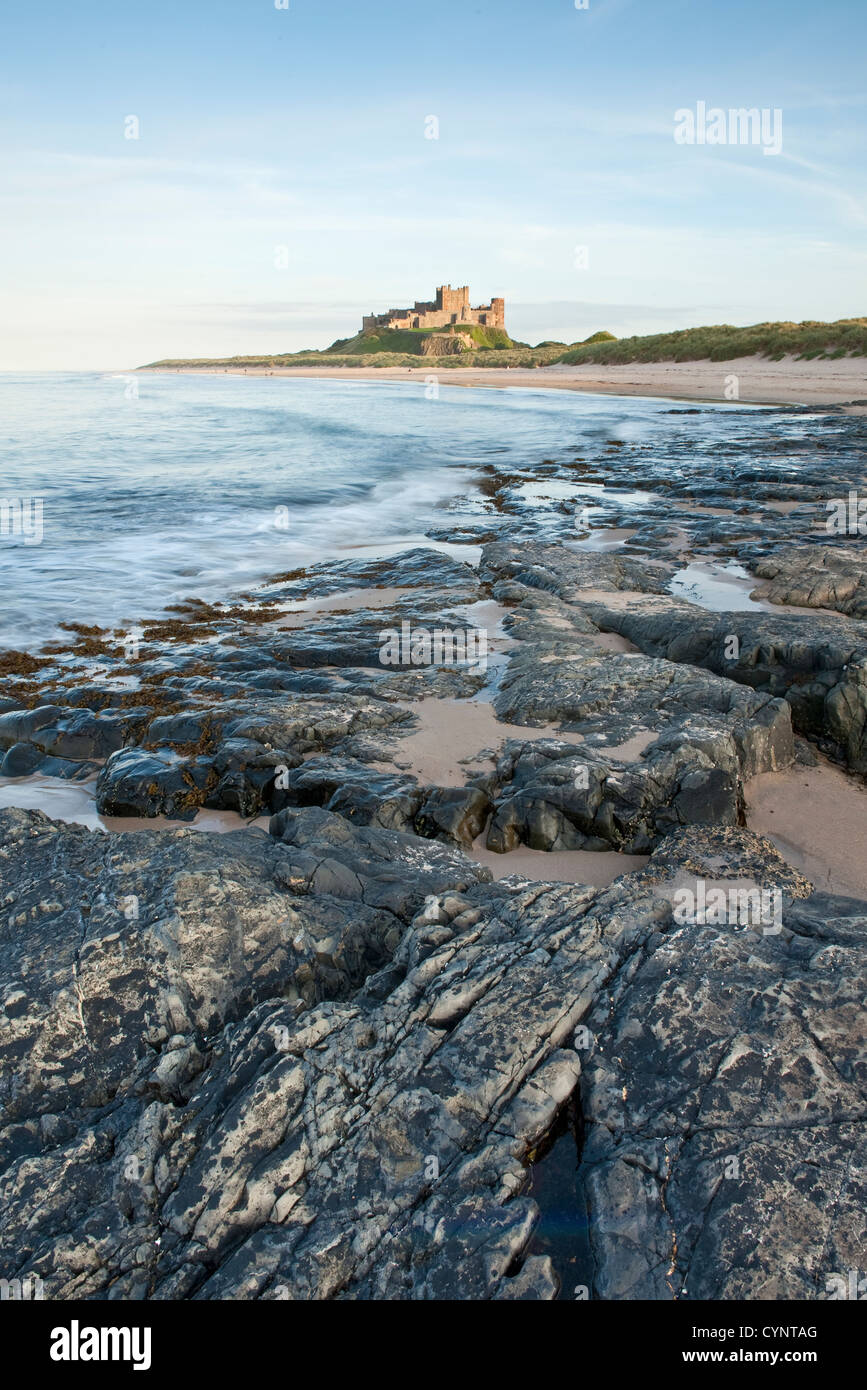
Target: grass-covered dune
721, 342
394, 347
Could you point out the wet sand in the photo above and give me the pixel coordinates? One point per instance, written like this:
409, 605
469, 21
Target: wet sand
759, 381
606, 538
817, 818
297, 614
454, 738
595, 868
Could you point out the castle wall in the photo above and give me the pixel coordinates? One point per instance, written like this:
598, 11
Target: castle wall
450, 307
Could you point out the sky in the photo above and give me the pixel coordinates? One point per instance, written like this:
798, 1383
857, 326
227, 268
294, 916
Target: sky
284, 179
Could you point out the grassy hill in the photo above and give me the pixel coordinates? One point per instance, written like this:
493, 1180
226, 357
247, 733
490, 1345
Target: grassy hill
409, 340
398, 347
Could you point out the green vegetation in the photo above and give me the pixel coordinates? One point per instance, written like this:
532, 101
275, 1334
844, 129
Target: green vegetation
401, 347
375, 340
485, 337
599, 338
722, 342
409, 340
483, 357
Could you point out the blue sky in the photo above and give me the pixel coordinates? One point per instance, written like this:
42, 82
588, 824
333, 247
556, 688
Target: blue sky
305, 128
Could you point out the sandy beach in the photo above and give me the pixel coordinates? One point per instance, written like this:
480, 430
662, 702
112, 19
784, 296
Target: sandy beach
841, 382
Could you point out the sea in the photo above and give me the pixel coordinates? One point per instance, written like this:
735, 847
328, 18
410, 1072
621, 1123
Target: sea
122, 494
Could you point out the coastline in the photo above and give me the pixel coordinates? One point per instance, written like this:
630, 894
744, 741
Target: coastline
430, 884
841, 382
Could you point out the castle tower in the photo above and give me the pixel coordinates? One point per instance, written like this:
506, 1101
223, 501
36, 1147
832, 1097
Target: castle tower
451, 301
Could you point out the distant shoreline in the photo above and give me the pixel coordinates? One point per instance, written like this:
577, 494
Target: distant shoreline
839, 382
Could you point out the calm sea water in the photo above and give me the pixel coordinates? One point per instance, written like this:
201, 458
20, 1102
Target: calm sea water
174, 492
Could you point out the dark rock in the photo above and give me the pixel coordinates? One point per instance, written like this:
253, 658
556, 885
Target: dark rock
74, 735
701, 1167
418, 568
20, 725
20, 760
459, 813
183, 1116
556, 797
353, 790
819, 665
135, 783
828, 576
380, 867
561, 572
23, 759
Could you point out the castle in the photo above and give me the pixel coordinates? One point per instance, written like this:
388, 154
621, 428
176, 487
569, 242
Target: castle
449, 307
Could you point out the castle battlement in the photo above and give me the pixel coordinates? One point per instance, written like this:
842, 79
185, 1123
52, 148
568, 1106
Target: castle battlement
449, 307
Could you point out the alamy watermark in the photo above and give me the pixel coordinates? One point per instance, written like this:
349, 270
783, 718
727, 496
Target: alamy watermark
741, 125
28, 1289
851, 1285
421, 646
21, 516
77, 1343
846, 516
729, 905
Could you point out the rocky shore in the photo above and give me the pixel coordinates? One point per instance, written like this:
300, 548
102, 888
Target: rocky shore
321, 1053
